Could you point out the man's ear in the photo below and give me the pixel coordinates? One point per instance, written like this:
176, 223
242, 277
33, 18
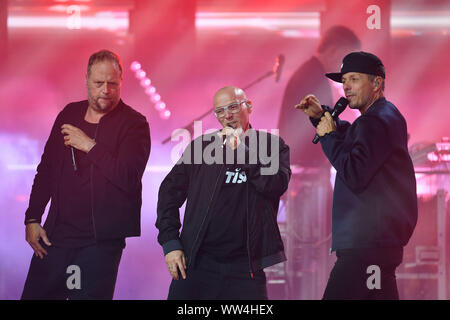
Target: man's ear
249, 105
377, 82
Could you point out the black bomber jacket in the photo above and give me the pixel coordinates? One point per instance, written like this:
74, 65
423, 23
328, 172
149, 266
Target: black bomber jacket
198, 184
118, 162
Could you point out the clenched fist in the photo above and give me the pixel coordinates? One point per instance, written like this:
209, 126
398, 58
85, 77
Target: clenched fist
75, 137
326, 125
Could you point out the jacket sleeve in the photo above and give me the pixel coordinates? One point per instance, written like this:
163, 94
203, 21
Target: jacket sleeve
171, 196
275, 184
125, 168
42, 184
357, 161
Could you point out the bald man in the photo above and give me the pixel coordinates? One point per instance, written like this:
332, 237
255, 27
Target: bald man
232, 180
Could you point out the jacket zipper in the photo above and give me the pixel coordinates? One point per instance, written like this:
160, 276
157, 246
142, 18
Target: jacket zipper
248, 234
204, 218
92, 189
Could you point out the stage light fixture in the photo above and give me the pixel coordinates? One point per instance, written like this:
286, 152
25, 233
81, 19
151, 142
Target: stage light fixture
150, 90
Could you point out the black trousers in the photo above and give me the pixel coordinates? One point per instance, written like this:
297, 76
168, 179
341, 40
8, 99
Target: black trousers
364, 274
98, 266
211, 280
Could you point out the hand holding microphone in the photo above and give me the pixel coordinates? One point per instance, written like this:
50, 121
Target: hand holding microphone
311, 106
231, 136
326, 125
76, 138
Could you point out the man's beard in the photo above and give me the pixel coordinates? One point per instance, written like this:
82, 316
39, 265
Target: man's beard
106, 107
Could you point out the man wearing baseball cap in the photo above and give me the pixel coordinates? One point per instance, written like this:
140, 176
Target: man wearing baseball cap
374, 199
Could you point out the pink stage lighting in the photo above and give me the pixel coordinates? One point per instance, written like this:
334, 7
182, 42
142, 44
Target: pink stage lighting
140, 74
156, 97
150, 90
160, 106
165, 114
146, 82
135, 66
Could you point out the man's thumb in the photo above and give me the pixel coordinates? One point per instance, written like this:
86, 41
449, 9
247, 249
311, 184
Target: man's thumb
44, 238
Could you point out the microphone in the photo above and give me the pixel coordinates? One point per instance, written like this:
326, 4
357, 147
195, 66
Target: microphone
340, 106
225, 137
278, 67
73, 160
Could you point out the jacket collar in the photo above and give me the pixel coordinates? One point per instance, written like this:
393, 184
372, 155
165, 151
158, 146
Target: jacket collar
376, 103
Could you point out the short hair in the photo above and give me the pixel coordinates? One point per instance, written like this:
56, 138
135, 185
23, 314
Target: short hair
338, 36
103, 55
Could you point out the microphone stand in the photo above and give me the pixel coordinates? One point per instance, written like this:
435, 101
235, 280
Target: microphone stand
251, 84
190, 126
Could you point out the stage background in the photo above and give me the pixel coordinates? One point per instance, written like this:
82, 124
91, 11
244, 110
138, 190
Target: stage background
189, 49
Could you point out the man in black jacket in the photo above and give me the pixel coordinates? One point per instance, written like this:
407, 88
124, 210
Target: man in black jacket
91, 169
232, 180
374, 200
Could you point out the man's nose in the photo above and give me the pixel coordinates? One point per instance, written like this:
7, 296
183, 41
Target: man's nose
228, 114
106, 88
346, 87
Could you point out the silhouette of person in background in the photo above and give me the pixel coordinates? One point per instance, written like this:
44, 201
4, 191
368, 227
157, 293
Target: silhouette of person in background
309, 79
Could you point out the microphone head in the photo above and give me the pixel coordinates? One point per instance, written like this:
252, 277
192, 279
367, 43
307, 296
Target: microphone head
278, 67
340, 106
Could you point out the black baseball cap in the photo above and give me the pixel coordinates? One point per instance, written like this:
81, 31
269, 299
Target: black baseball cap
362, 62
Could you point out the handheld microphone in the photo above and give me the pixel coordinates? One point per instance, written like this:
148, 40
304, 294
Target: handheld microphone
233, 136
278, 67
225, 137
73, 160
340, 106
